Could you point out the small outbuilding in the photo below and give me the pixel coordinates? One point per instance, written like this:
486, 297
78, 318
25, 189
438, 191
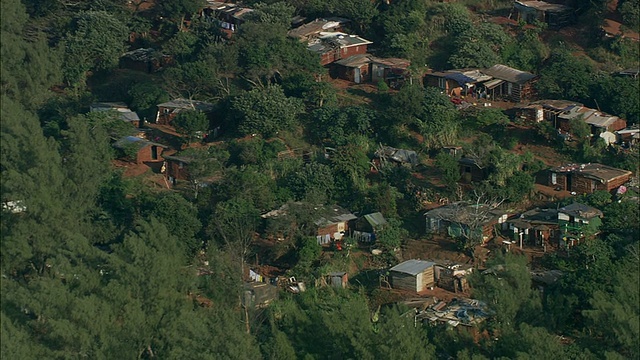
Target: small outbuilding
125, 114
337, 279
514, 84
258, 294
169, 110
413, 275
140, 150
587, 178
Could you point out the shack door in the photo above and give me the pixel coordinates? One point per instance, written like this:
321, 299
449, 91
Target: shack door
356, 75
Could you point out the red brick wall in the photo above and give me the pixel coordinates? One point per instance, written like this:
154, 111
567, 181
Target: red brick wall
144, 154
352, 50
173, 170
164, 118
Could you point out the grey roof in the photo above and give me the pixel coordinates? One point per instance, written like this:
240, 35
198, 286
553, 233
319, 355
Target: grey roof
413, 266
328, 215
188, 104
581, 211
123, 110
546, 276
542, 6
332, 40
183, 159
558, 105
132, 140
143, 54
540, 216
375, 219
600, 172
323, 214
509, 74
315, 27
355, 60
601, 119
399, 155
465, 213
630, 72
468, 161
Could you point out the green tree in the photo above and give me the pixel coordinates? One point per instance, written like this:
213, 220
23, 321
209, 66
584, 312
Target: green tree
399, 338
28, 65
391, 235
314, 183
196, 79
614, 316
233, 224
506, 289
203, 164
180, 217
191, 124
554, 85
438, 120
277, 13
265, 111
450, 169
176, 10
96, 43
630, 11
144, 98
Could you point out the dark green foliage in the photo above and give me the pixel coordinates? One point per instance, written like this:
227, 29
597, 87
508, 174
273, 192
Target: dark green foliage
630, 11
196, 79
313, 182
96, 43
29, 66
265, 111
527, 53
265, 51
178, 9
507, 290
391, 235
614, 316
181, 219
144, 97
192, 124
249, 183
617, 95
277, 13
554, 85
450, 169
334, 126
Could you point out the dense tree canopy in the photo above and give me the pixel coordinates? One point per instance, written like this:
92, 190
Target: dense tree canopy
107, 258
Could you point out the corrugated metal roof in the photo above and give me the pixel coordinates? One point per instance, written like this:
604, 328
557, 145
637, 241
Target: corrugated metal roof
493, 83
129, 140
375, 219
188, 104
581, 210
509, 74
413, 266
355, 60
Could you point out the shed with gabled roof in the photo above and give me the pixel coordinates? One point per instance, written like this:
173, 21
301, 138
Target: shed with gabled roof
517, 84
145, 151
413, 275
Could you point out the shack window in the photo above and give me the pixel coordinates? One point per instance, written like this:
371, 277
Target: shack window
467, 169
442, 83
180, 165
554, 180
